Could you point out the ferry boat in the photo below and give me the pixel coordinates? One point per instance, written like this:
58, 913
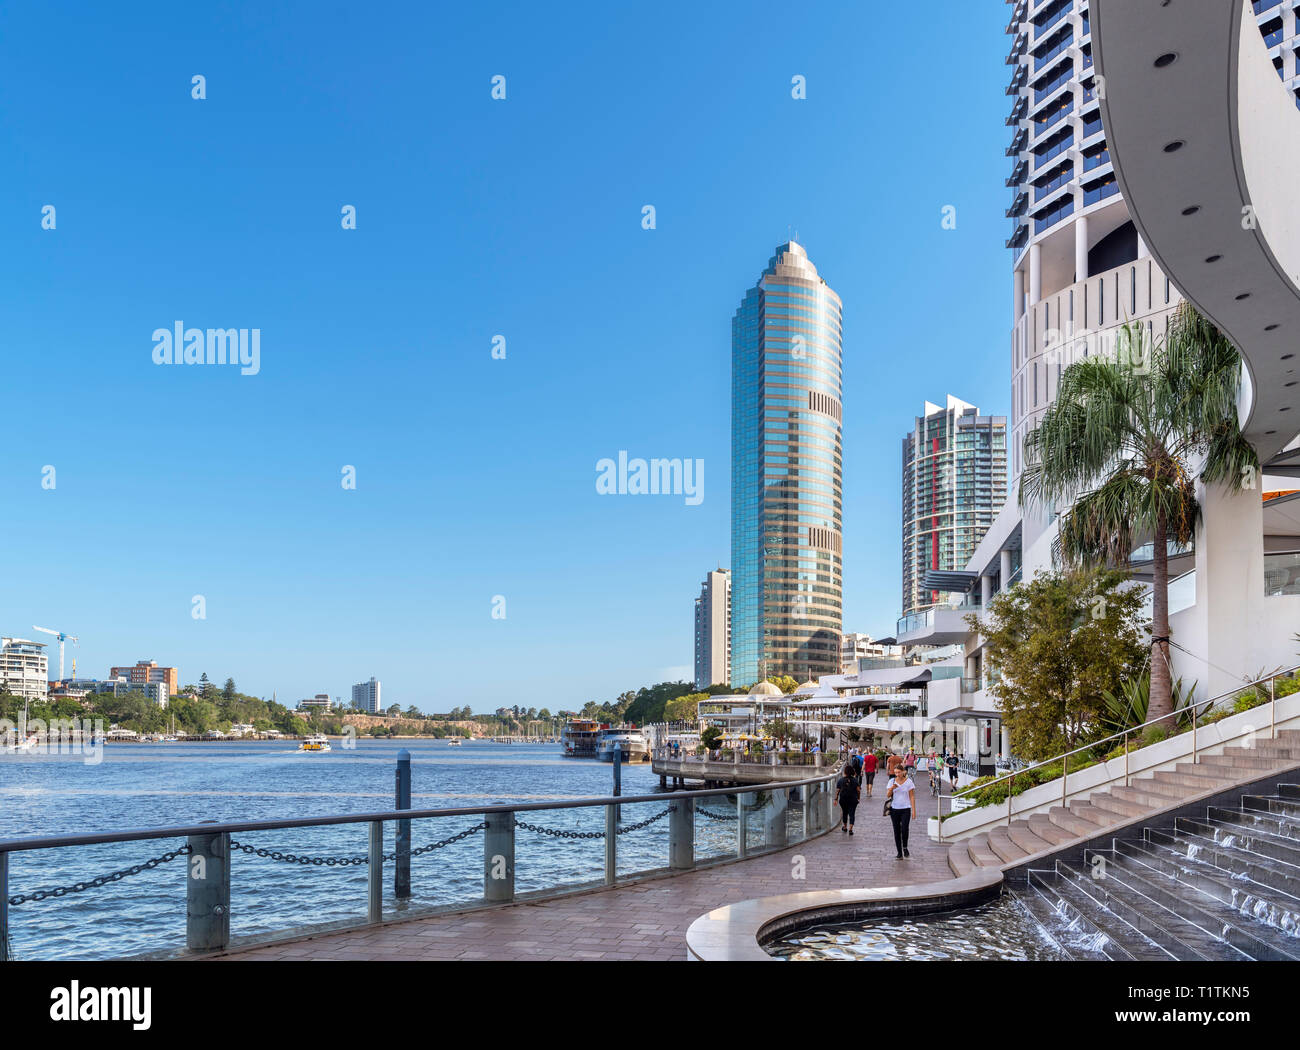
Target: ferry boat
630, 740
580, 736
315, 743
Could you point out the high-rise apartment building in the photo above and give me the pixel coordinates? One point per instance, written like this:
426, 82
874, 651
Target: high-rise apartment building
365, 696
786, 474
146, 671
713, 630
954, 484
24, 668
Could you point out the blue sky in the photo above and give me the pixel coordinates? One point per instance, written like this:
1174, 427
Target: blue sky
475, 477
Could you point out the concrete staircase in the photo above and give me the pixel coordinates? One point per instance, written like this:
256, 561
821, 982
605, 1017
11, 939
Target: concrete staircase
1121, 805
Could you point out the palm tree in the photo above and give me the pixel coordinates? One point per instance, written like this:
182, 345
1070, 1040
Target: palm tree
1129, 436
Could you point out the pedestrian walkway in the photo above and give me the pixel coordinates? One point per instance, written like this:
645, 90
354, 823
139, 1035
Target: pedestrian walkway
647, 920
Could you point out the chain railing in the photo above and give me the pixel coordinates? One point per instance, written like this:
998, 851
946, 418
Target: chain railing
211, 847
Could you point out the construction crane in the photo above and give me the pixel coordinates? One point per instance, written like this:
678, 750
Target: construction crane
62, 638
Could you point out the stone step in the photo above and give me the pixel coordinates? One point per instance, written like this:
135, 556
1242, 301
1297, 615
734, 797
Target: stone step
1041, 825
1007, 851
1237, 762
1022, 834
980, 852
1146, 797
1098, 818
1122, 809
1158, 788
1194, 780
959, 859
1070, 822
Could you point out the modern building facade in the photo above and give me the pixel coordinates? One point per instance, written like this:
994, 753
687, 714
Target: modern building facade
713, 630
146, 671
857, 647
155, 691
954, 484
365, 697
1081, 269
786, 474
320, 702
24, 668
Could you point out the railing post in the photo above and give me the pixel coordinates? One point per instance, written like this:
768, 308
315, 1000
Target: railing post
207, 895
1272, 707
1065, 773
681, 834
742, 847
4, 907
1195, 721
611, 842
375, 873
499, 857
805, 796
402, 865
1011, 782
774, 830
1127, 781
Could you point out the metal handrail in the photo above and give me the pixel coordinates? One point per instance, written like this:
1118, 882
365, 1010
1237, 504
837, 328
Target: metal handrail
218, 827
1195, 707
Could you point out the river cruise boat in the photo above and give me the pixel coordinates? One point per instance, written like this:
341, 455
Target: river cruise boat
580, 737
315, 743
632, 742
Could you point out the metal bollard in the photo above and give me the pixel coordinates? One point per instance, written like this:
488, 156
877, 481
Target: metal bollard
4, 907
499, 857
375, 872
742, 845
681, 834
402, 860
207, 893
774, 829
611, 841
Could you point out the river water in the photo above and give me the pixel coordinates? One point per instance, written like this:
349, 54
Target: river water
157, 785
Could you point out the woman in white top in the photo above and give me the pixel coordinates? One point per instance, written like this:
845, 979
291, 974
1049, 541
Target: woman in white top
902, 808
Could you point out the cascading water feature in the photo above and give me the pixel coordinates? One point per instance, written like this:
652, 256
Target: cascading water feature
1222, 886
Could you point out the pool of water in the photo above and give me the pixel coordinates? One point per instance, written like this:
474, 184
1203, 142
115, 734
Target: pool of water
1000, 929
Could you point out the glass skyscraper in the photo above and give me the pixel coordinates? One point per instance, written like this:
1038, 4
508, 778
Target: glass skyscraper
786, 474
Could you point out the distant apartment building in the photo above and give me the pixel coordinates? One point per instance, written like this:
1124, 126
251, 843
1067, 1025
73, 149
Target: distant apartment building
857, 647
320, 702
121, 685
713, 630
954, 484
365, 697
24, 668
147, 671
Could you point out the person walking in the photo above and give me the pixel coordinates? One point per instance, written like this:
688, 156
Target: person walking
891, 763
847, 794
902, 808
952, 769
869, 771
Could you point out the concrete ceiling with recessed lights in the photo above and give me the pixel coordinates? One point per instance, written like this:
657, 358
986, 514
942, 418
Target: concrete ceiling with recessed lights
1205, 139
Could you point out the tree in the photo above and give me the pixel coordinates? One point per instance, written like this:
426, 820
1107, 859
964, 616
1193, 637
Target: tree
783, 682
1059, 643
684, 708
205, 687
1126, 440
228, 694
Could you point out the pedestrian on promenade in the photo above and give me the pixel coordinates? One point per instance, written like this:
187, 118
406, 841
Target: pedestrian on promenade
909, 761
869, 771
892, 763
902, 808
847, 794
952, 769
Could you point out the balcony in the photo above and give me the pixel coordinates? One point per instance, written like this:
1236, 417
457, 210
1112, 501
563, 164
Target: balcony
942, 625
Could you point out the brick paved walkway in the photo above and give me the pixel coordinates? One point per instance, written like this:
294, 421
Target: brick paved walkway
643, 921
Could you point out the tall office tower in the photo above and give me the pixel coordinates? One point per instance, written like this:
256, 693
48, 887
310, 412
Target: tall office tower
365, 695
713, 630
954, 484
786, 474
1080, 267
